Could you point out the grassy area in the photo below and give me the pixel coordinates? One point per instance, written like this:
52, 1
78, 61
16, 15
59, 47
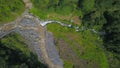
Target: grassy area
9, 10
86, 45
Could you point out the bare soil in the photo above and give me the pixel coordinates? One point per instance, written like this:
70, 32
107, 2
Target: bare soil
68, 54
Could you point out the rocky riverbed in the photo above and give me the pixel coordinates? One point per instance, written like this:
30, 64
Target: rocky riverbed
39, 40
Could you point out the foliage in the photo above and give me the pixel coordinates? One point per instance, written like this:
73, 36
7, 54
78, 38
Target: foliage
46, 8
9, 10
105, 17
86, 5
112, 37
60, 6
41, 14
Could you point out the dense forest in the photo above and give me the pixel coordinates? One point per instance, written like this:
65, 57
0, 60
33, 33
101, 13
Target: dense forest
105, 16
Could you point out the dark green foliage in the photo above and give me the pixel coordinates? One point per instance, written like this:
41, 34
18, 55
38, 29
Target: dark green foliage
112, 28
105, 16
10, 9
15, 54
95, 16
94, 20
105, 5
86, 5
112, 37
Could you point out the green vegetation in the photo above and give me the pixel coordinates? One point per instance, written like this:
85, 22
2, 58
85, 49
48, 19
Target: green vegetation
86, 5
10, 9
101, 15
112, 37
96, 51
63, 10
105, 17
14, 53
58, 6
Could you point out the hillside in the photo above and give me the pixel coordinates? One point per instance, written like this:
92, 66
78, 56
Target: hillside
62, 33
14, 53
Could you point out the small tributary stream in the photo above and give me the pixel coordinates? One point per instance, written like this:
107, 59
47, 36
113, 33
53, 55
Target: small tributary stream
77, 28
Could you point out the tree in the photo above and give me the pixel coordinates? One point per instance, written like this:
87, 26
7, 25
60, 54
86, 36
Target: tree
86, 5
112, 28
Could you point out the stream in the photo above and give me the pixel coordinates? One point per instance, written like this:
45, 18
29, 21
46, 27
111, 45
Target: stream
77, 28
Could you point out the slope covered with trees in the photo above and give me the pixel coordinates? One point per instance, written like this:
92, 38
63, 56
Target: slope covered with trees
112, 37
105, 16
104, 13
95, 50
14, 53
